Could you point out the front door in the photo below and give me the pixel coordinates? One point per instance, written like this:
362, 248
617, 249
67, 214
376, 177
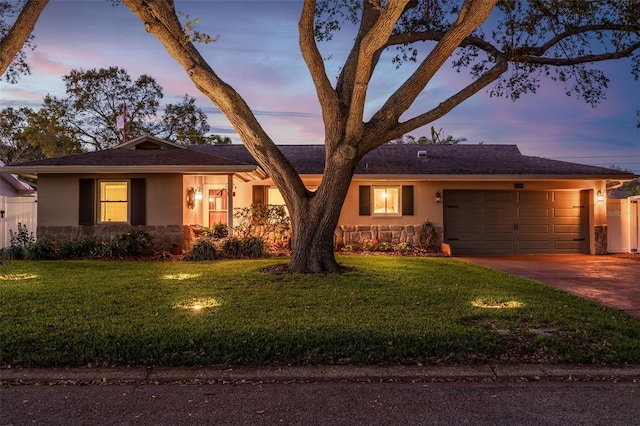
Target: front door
217, 206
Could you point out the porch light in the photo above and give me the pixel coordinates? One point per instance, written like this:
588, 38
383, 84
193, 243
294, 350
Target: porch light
599, 197
198, 195
191, 199
438, 197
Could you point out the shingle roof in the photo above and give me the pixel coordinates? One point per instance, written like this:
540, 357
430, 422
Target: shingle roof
136, 157
441, 160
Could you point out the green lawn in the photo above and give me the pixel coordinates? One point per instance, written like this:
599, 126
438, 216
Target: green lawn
389, 310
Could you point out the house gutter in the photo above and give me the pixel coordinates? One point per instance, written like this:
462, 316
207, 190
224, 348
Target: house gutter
476, 177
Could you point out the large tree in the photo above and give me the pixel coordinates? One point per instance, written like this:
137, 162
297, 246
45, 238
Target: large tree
524, 39
521, 43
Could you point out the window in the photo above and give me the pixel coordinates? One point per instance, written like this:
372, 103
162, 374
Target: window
274, 197
114, 201
263, 194
386, 200
218, 205
105, 201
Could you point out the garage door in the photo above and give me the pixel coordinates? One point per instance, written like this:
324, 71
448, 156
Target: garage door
521, 222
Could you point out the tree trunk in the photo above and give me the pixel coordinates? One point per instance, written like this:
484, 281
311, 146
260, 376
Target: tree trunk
314, 219
312, 241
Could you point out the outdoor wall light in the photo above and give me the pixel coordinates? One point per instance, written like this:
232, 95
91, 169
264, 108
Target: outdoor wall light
191, 197
438, 197
198, 195
599, 197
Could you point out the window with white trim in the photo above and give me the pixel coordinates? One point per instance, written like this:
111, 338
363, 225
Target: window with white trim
113, 201
386, 200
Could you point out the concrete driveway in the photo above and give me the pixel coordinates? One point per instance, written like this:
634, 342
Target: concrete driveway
610, 280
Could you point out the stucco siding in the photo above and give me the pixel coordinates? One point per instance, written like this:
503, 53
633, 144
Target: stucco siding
59, 198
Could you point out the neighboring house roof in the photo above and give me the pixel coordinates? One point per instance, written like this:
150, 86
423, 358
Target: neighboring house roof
149, 154
12, 181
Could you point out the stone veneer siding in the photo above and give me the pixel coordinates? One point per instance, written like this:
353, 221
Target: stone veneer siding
601, 239
164, 237
394, 234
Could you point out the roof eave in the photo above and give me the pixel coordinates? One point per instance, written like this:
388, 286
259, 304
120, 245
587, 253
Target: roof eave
189, 169
488, 177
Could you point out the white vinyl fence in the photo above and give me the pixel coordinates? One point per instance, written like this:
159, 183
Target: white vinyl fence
623, 220
14, 210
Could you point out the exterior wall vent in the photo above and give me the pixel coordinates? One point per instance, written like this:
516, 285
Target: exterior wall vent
422, 154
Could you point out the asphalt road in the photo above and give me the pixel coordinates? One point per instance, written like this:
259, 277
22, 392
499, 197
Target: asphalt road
325, 403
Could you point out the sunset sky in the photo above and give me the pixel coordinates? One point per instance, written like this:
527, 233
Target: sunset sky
257, 53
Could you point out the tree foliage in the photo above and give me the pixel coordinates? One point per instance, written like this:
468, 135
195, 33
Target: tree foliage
95, 98
86, 118
185, 123
13, 145
436, 138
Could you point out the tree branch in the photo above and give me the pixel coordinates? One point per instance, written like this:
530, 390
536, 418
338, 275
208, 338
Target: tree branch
412, 37
559, 62
372, 42
20, 32
326, 94
160, 19
540, 50
472, 14
444, 107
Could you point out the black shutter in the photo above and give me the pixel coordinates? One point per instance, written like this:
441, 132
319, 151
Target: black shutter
407, 200
87, 203
138, 202
260, 194
365, 200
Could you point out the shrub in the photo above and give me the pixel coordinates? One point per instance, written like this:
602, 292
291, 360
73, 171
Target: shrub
367, 245
231, 247
253, 247
403, 247
204, 248
18, 241
40, 250
262, 220
133, 243
12, 253
82, 248
218, 231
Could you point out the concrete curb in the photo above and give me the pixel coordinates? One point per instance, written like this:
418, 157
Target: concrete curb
253, 375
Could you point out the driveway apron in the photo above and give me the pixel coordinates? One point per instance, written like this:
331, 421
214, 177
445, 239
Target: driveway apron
609, 280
